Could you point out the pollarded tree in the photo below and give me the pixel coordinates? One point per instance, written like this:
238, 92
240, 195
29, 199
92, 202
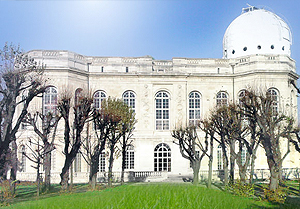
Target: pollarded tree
82, 111
46, 132
127, 128
219, 118
190, 147
118, 111
21, 81
207, 127
273, 128
103, 121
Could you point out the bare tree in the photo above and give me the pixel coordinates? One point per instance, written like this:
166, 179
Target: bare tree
102, 122
37, 156
127, 128
220, 122
72, 137
273, 127
48, 125
207, 127
115, 108
190, 147
21, 81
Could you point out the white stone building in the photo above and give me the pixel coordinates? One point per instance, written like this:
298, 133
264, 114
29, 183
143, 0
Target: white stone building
166, 93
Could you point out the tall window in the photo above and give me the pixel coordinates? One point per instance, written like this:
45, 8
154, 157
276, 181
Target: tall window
241, 97
102, 162
77, 163
50, 100
243, 155
222, 98
219, 158
194, 108
53, 159
78, 95
99, 96
129, 158
273, 94
162, 106
162, 158
129, 99
22, 152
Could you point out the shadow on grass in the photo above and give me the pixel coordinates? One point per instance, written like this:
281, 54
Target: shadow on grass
28, 193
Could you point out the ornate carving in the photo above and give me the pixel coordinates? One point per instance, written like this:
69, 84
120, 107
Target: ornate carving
129, 60
100, 60
146, 106
50, 53
179, 104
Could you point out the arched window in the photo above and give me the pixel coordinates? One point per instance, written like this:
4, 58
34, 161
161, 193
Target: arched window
102, 162
129, 157
222, 98
78, 95
162, 105
220, 158
22, 154
162, 158
274, 95
77, 163
99, 96
194, 108
50, 100
129, 99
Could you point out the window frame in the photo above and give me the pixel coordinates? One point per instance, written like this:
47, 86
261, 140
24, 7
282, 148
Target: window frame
129, 157
98, 97
194, 106
162, 111
129, 98
52, 98
162, 157
222, 96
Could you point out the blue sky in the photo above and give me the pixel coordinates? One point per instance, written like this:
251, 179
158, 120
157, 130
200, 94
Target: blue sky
161, 29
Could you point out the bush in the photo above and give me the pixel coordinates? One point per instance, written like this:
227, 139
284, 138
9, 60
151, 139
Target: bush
5, 192
277, 196
241, 189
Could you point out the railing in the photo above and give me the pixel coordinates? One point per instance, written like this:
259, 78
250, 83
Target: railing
141, 176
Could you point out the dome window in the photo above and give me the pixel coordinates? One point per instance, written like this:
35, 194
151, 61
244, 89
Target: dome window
272, 46
245, 48
283, 48
233, 51
259, 47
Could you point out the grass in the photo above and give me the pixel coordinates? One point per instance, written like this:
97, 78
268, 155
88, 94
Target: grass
160, 195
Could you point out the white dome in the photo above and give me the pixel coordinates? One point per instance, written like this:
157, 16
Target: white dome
257, 31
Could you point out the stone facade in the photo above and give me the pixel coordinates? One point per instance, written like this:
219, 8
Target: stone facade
145, 77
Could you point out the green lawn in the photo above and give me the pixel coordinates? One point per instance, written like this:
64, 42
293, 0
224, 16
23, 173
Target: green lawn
150, 196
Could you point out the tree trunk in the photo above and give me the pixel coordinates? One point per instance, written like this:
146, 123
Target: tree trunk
123, 164
38, 178
232, 163
242, 173
94, 167
110, 166
71, 175
47, 166
65, 180
252, 164
274, 178
225, 167
210, 162
14, 166
196, 168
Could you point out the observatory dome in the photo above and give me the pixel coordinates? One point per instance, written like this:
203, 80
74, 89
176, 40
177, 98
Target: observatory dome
257, 31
